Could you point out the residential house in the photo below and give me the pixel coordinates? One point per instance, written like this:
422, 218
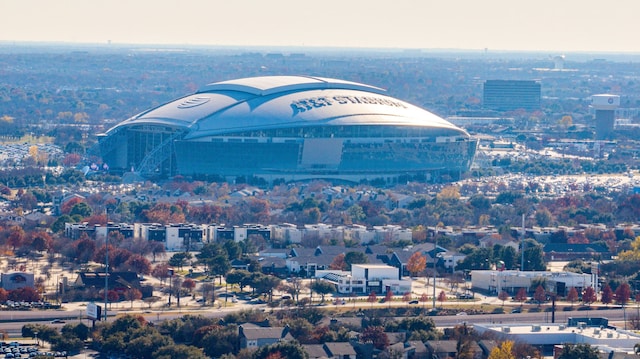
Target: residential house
253, 336
339, 350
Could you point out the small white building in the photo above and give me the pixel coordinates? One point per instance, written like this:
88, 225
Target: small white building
367, 278
510, 281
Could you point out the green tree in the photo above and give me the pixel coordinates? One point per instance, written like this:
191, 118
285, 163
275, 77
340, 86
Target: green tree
578, 351
58, 225
354, 257
145, 345
180, 259
284, 349
533, 256
240, 277
179, 351
322, 287
81, 209
478, 259
215, 258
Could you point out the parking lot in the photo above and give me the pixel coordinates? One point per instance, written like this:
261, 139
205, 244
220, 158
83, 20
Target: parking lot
22, 350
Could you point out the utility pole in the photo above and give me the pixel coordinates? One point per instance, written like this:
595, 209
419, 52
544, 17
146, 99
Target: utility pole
435, 262
522, 254
106, 275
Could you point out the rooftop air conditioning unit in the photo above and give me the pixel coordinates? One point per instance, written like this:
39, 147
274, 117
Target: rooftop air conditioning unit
535, 328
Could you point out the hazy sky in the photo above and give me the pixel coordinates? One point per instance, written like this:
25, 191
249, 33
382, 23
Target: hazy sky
557, 26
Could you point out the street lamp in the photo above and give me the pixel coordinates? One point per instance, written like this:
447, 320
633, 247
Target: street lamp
170, 285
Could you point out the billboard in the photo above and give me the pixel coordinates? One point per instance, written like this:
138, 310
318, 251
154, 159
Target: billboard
94, 311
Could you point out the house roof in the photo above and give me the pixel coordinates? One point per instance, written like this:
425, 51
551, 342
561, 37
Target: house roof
315, 351
339, 348
115, 279
419, 345
442, 346
255, 332
575, 248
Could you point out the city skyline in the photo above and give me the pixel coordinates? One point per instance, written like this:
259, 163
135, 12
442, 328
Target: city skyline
500, 25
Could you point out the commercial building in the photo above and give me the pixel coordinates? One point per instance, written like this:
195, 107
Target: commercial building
509, 95
510, 281
367, 278
284, 128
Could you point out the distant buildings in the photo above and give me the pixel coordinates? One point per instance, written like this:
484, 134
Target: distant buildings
509, 95
181, 236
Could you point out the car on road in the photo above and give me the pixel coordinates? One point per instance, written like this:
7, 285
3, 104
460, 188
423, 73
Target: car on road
516, 310
57, 321
413, 302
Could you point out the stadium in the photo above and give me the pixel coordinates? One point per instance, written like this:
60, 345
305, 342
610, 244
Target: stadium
289, 128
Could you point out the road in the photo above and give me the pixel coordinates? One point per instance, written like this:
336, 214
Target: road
14, 320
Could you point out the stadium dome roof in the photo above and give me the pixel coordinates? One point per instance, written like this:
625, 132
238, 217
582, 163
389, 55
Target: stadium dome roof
272, 102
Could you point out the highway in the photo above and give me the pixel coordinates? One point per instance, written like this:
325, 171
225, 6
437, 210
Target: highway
12, 321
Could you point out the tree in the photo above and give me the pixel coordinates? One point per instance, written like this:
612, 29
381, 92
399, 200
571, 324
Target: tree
406, 297
372, 298
589, 296
572, 295
264, 284
189, 284
533, 256
503, 296
180, 259
338, 263
416, 263
239, 277
504, 351
355, 258
179, 351
388, 296
623, 293
578, 351
281, 350
424, 298
161, 271
322, 287
442, 297
540, 295
375, 335
607, 295
521, 296
132, 294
